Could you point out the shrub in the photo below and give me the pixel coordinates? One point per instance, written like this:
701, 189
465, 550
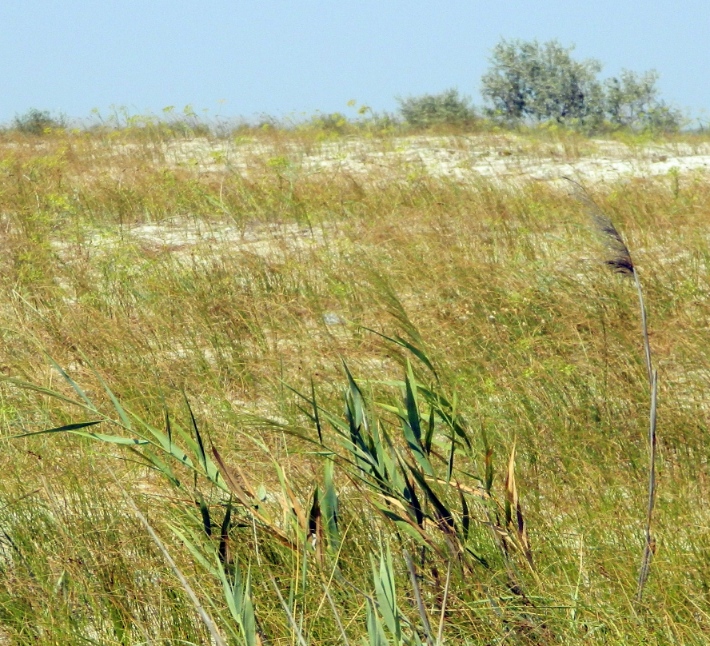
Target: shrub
333, 122
632, 102
542, 82
37, 122
447, 108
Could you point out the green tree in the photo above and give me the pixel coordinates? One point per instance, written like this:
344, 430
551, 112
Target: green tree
538, 82
542, 82
632, 102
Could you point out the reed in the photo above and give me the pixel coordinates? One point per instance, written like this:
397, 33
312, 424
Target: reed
619, 260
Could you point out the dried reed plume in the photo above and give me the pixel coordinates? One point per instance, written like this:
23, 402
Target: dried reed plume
619, 259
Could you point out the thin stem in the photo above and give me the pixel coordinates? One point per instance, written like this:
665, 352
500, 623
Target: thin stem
418, 598
644, 329
650, 543
287, 610
337, 617
440, 632
206, 619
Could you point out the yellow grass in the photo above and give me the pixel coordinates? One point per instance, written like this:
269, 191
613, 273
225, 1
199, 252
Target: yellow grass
231, 271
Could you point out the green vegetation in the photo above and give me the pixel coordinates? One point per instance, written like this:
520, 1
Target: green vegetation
542, 82
528, 85
285, 402
37, 122
447, 108
528, 80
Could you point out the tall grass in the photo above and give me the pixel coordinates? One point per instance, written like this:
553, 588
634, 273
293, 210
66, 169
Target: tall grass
397, 408
619, 260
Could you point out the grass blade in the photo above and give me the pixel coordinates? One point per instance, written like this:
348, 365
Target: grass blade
58, 429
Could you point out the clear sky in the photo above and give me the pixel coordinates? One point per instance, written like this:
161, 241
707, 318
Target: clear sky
285, 57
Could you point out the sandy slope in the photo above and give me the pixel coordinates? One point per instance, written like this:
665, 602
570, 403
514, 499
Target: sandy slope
502, 158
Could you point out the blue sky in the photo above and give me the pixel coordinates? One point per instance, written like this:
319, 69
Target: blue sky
287, 57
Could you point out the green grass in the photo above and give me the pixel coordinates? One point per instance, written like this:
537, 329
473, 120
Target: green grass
289, 276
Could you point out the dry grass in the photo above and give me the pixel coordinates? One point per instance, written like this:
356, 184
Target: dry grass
229, 286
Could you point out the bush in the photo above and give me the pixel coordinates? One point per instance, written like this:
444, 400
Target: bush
447, 108
632, 102
542, 82
333, 122
37, 122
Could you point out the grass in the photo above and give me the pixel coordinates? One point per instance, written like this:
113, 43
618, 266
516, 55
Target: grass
413, 409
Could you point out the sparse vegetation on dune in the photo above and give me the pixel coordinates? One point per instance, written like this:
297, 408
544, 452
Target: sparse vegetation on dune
354, 406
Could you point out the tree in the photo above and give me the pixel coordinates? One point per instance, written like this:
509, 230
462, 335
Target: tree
542, 82
447, 108
632, 102
538, 82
